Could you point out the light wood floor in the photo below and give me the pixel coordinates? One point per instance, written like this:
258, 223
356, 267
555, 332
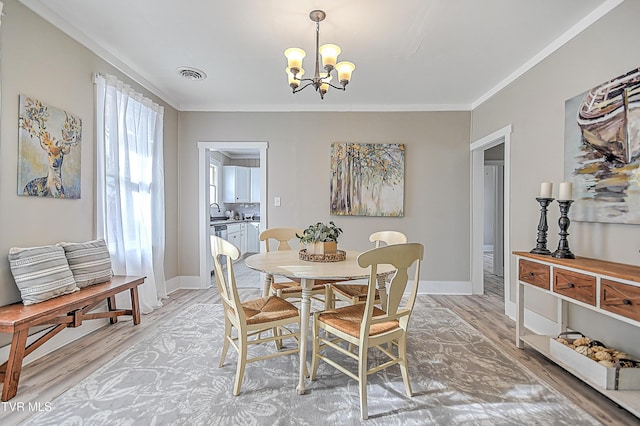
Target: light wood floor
48, 377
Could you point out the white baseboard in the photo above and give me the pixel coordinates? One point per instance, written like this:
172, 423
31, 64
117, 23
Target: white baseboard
183, 283
425, 287
445, 287
533, 321
172, 285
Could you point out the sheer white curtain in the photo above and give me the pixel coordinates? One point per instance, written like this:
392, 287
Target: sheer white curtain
130, 185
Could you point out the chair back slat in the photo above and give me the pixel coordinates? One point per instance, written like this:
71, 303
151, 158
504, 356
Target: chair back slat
402, 257
388, 238
281, 235
226, 282
396, 289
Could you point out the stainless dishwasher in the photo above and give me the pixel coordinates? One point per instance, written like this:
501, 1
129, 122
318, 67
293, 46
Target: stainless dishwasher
220, 231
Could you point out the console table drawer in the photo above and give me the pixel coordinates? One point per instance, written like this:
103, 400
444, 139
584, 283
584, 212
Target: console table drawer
575, 285
622, 299
534, 273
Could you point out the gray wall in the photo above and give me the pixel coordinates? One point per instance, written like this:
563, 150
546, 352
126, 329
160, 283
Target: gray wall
436, 177
40, 61
534, 105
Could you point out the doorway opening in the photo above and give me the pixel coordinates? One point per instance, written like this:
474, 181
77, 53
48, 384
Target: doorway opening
501, 250
204, 205
493, 240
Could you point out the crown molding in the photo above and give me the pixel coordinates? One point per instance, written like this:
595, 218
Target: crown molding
583, 24
39, 8
325, 108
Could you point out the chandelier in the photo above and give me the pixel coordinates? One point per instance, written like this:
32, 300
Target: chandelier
320, 80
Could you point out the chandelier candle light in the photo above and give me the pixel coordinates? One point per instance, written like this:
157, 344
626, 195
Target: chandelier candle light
329, 53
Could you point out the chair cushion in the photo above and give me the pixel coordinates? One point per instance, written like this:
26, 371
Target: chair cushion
354, 290
90, 262
267, 309
349, 318
290, 287
41, 273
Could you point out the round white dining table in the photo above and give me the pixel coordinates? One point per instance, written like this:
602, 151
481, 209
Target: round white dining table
288, 264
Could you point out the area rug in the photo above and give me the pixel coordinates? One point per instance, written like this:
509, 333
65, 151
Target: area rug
172, 378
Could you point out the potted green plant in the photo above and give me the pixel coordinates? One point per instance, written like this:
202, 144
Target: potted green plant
321, 238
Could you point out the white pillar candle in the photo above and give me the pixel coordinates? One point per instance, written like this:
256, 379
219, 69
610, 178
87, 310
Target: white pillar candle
546, 189
566, 191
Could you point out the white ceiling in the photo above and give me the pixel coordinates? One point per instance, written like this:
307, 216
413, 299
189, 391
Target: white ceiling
410, 54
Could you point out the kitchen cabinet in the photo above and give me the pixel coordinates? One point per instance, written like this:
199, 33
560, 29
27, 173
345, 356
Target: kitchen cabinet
255, 184
237, 235
253, 237
236, 184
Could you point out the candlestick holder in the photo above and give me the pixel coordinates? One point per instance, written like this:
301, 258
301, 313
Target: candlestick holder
543, 227
563, 251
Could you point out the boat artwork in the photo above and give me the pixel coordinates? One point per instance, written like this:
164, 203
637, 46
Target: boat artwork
609, 118
602, 151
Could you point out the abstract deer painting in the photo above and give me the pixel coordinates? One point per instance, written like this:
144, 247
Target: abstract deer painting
47, 136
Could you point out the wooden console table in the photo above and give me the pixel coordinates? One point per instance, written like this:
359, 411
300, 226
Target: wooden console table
609, 288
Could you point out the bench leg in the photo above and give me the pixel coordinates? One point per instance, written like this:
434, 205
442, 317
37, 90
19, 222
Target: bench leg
14, 364
111, 305
135, 305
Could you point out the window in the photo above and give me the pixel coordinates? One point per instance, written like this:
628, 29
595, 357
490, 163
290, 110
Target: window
130, 185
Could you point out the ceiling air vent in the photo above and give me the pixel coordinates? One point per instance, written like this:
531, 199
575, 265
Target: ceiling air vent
192, 73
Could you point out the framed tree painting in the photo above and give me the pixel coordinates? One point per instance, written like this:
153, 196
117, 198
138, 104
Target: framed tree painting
49, 150
367, 179
602, 151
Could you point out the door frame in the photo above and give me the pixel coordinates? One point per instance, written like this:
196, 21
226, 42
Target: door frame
477, 211
203, 207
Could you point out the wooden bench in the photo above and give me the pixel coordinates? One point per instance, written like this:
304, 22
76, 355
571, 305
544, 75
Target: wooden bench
61, 312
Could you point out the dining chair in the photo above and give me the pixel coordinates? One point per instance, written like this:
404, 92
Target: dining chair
250, 318
280, 238
366, 326
357, 293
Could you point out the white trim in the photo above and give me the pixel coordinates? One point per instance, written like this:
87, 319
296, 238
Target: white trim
184, 283
38, 7
477, 211
203, 208
458, 288
173, 284
325, 107
583, 24
491, 140
65, 26
533, 321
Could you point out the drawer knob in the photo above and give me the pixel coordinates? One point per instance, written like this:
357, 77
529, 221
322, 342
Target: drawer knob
626, 302
531, 274
570, 285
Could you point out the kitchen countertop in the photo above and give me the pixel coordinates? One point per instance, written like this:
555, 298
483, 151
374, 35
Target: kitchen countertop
230, 221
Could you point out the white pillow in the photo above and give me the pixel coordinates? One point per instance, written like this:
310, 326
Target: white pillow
90, 262
41, 273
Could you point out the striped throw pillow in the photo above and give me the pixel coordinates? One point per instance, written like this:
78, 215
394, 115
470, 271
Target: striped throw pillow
90, 262
41, 273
